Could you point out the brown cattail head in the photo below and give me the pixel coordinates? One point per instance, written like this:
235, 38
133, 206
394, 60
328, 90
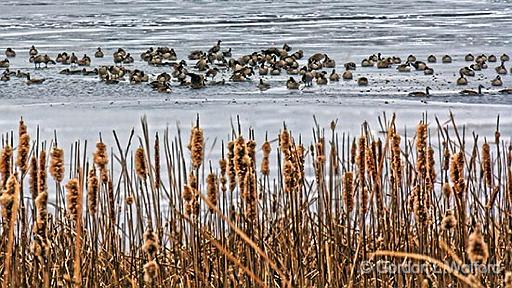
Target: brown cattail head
446, 156
212, 189
477, 248
353, 152
361, 164
140, 163
33, 177
188, 193
41, 178
196, 146
396, 160
285, 142
10, 201
348, 191
231, 166
57, 164
241, 161
5, 163
73, 198
101, 160
447, 190
23, 148
92, 190
457, 173
486, 164
151, 245
421, 145
449, 221
250, 195
150, 272
265, 163
431, 169
251, 151
507, 282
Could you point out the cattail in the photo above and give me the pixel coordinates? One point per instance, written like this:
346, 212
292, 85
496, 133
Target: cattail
290, 176
477, 248
23, 148
284, 142
73, 198
223, 168
265, 163
486, 164
192, 180
348, 191
431, 169
57, 164
320, 151
150, 272
140, 163
446, 156
231, 166
361, 160
196, 146
421, 145
250, 195
101, 160
251, 151
41, 178
129, 200
241, 161
370, 162
5, 164
151, 245
33, 177
364, 200
40, 240
9, 200
92, 190
188, 193
507, 282
449, 221
299, 163
157, 161
212, 189
396, 161
419, 207
447, 191
353, 152
457, 173
497, 136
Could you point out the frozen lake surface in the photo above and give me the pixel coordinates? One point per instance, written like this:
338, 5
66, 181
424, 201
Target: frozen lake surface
79, 106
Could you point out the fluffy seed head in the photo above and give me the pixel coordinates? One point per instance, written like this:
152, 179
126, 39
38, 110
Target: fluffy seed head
57, 164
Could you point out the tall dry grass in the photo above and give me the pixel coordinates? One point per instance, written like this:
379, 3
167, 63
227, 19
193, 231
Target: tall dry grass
154, 212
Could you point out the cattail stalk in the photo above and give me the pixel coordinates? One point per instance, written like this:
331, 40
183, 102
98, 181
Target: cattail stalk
10, 203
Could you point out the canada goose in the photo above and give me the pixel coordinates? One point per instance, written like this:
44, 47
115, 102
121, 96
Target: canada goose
73, 59
334, 76
21, 74
362, 81
350, 66
492, 58
470, 92
501, 69
314, 65
110, 81
446, 59
292, 84
99, 53
170, 55
262, 85
317, 57
212, 72
33, 81
431, 59
467, 72
366, 63
37, 60
274, 70
469, 57
128, 59
320, 78
328, 62
411, 58
506, 91
67, 71
85, 61
86, 72
33, 51
404, 67
475, 67
419, 65
10, 53
462, 80
421, 93
215, 48
263, 70
164, 77
396, 60
103, 72
504, 57
227, 53
5, 77
195, 55
238, 76
347, 75
483, 65
428, 71
118, 56
481, 58
8, 72
4, 63
384, 63
307, 78
116, 71
497, 81
196, 80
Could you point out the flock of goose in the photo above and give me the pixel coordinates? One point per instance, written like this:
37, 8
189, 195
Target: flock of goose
203, 67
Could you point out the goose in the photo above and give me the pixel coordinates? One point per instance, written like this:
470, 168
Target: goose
33, 81
9, 73
314, 65
328, 62
21, 74
227, 53
298, 55
317, 57
103, 72
428, 71
86, 72
334, 76
501, 69
307, 78
292, 84
85, 61
466, 71
33, 51
481, 58
195, 55
476, 66
469, 57
263, 85
470, 92
109, 81
483, 65
73, 59
347, 75
4, 63
99, 53
462, 80
274, 70
431, 59
411, 58
215, 48
320, 78
170, 55
350, 66
196, 80
37, 60
212, 72
384, 64
118, 56
496, 81
128, 59
67, 71
404, 67
421, 93
492, 58
396, 60
5, 77
506, 91
10, 53
504, 57
263, 70
447, 59
419, 65
362, 81
366, 63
